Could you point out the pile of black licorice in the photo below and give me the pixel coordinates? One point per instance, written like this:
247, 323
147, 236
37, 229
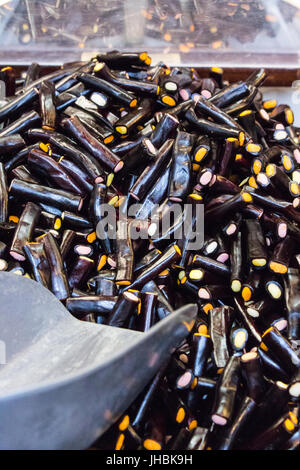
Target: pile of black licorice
117, 132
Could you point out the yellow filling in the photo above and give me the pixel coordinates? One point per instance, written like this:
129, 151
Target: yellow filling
168, 100
200, 154
150, 444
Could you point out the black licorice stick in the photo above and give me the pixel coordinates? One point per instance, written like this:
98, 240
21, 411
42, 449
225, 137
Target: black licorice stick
236, 263
282, 351
11, 143
120, 95
176, 111
41, 163
139, 157
274, 404
80, 271
89, 108
125, 256
253, 374
100, 152
6, 231
276, 435
164, 129
125, 306
201, 149
211, 265
178, 376
252, 285
211, 291
276, 205
68, 148
163, 305
99, 131
220, 325
268, 156
150, 256
275, 224
22, 124
36, 256
224, 205
136, 86
77, 174
211, 164
47, 104
24, 230
182, 438
217, 131
146, 317
235, 432
226, 392
221, 185
193, 229
52, 76
134, 118
75, 221
283, 183
201, 350
257, 253
247, 320
257, 77
247, 120
152, 171
162, 233
236, 108
180, 174
227, 156
117, 59
281, 255
266, 313
97, 201
18, 103
231, 94
273, 286
32, 74
3, 194
103, 286
292, 302
283, 114
96, 304
56, 197
48, 220
70, 97
155, 195
209, 109
18, 158
59, 281
169, 256
155, 432
293, 443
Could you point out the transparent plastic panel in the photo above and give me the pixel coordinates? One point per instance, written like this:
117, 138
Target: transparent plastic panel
238, 33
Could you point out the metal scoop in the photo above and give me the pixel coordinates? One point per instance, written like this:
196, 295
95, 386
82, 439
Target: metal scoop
65, 381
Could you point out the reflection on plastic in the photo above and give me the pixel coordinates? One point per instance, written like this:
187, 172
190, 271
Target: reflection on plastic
251, 32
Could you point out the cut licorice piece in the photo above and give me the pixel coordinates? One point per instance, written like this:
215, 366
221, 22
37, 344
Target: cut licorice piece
220, 325
24, 230
100, 152
236, 263
44, 194
281, 350
257, 254
226, 392
292, 301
